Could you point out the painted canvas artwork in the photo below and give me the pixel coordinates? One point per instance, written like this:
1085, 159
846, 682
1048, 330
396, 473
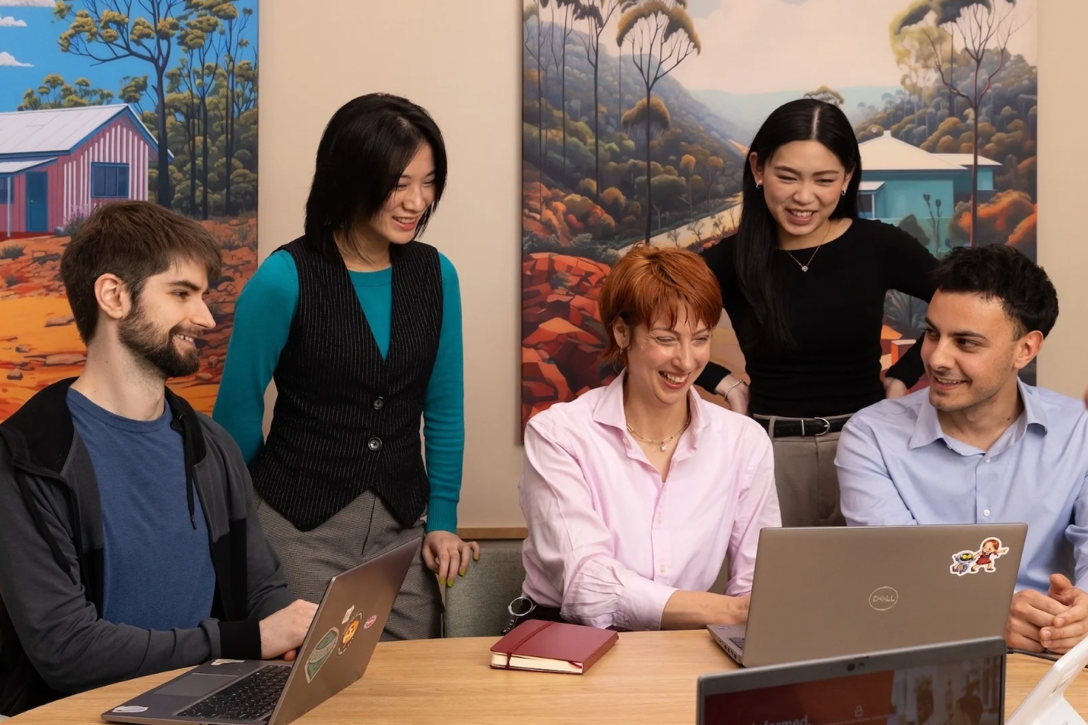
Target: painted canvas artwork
636, 116
103, 100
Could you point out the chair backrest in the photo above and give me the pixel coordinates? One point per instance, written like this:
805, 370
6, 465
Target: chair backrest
476, 603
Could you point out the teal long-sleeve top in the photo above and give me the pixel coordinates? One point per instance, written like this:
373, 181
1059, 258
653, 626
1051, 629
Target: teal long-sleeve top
262, 321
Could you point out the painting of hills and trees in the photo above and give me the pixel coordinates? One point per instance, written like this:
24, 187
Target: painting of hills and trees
636, 116
103, 100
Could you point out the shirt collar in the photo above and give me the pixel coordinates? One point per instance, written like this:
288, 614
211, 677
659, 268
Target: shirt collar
927, 428
609, 410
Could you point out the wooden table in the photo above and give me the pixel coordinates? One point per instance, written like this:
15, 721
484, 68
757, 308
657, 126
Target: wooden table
648, 677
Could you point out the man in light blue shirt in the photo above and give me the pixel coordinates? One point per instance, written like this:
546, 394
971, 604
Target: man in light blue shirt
979, 446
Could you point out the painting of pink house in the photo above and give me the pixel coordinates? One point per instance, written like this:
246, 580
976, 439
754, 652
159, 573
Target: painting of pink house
57, 164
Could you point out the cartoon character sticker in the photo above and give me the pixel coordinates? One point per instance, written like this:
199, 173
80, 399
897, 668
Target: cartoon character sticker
347, 614
971, 562
324, 649
370, 621
962, 562
349, 633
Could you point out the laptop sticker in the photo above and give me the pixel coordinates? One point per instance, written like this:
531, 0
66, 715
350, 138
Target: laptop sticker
325, 647
370, 621
347, 614
349, 634
226, 662
972, 562
126, 709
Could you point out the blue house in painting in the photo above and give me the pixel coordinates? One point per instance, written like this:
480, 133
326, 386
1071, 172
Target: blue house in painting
896, 177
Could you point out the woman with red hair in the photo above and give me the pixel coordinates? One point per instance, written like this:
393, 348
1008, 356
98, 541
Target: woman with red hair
635, 493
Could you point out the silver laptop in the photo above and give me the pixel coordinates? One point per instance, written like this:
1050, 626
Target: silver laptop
835, 591
334, 654
961, 682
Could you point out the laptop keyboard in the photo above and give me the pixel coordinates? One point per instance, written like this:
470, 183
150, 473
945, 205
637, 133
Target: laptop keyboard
738, 641
251, 698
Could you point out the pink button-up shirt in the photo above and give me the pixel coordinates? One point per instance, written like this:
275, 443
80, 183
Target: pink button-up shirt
609, 541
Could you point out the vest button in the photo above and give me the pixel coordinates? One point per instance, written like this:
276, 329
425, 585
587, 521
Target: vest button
378, 403
374, 443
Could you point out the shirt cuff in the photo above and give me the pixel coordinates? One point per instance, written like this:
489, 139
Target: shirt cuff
641, 602
442, 515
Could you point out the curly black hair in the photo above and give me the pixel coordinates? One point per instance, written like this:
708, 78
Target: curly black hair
1001, 272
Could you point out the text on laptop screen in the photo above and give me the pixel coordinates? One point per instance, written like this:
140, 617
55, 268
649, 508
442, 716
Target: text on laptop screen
966, 692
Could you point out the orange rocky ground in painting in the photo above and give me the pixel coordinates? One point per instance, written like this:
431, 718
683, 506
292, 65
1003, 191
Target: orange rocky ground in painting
562, 337
39, 344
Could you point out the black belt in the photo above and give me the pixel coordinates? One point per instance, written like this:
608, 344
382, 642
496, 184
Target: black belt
809, 427
524, 608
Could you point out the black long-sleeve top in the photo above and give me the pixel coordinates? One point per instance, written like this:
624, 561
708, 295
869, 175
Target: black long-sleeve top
834, 313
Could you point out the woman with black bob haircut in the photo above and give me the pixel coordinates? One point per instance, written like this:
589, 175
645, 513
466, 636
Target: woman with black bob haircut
803, 281
359, 325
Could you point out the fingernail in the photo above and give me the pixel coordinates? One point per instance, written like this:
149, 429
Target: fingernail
463, 572
476, 557
450, 583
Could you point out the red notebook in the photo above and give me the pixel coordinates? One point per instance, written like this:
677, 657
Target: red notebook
551, 647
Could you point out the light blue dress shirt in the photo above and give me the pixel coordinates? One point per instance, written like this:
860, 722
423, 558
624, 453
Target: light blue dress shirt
896, 466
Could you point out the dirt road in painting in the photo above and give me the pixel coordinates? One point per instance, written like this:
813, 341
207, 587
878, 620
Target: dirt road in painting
39, 344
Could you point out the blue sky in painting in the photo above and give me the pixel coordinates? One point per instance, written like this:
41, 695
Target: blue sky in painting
34, 47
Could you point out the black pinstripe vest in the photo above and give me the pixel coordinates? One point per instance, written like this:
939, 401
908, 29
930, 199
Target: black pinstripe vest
345, 419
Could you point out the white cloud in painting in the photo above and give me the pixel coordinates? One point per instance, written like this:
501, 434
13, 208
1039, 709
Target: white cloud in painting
7, 59
756, 47
26, 4
11, 22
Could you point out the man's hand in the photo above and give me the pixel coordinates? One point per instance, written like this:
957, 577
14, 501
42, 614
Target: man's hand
445, 553
1031, 611
1070, 625
282, 633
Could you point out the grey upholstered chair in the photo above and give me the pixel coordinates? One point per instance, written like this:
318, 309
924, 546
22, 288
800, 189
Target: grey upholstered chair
476, 603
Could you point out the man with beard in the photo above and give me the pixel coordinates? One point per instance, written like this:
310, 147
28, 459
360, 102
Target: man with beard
129, 542
980, 446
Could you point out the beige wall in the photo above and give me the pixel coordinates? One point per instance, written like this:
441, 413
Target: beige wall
1063, 157
461, 63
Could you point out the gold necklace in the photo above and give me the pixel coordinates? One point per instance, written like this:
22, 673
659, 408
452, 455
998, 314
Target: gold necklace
664, 441
804, 267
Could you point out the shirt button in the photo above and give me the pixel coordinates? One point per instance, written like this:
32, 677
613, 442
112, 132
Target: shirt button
986, 459
378, 403
986, 512
374, 443
662, 569
660, 520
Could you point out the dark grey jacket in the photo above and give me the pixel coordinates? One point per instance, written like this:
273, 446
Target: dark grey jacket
53, 641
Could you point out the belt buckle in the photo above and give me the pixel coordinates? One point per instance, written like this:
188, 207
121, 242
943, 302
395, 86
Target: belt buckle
825, 431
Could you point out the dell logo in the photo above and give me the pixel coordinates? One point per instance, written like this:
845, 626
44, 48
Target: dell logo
883, 599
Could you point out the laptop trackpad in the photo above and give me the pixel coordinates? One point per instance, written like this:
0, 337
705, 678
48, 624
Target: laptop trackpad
195, 685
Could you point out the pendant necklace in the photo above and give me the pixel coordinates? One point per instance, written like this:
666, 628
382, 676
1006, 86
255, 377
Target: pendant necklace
804, 267
664, 441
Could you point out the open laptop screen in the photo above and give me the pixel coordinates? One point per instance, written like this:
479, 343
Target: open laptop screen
957, 684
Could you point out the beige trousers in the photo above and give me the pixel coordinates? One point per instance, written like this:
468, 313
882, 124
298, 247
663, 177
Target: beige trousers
806, 479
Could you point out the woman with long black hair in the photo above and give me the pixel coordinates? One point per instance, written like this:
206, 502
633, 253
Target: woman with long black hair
803, 281
359, 324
